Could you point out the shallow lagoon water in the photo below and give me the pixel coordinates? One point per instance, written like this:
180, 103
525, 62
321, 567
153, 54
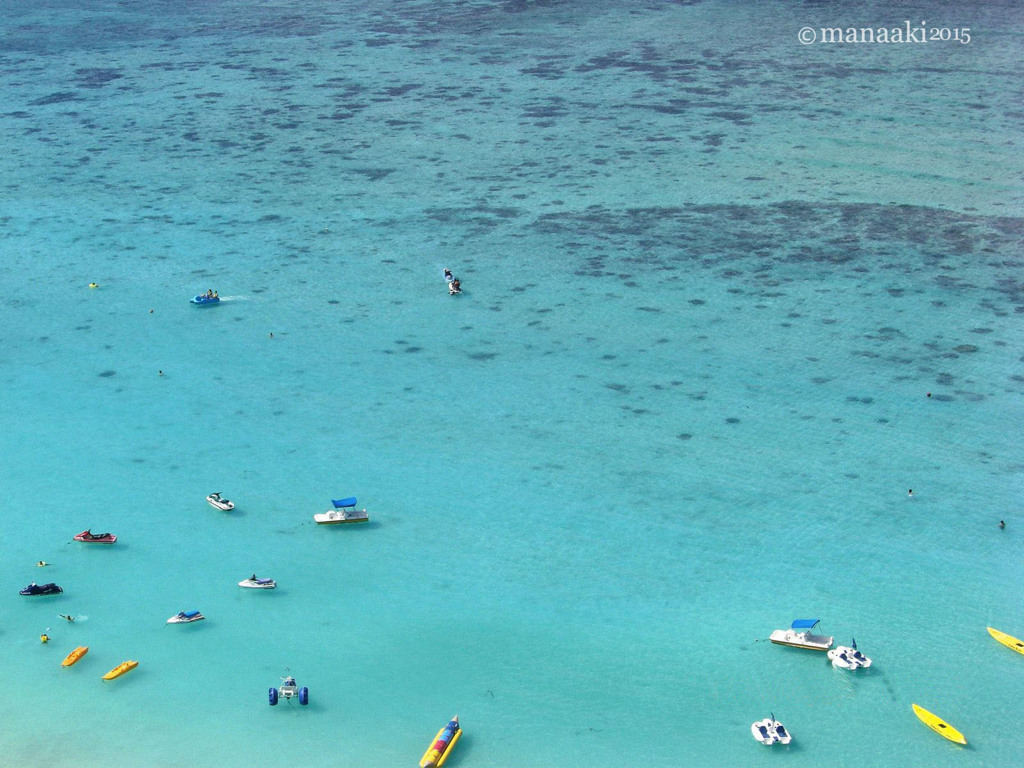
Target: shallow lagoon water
708, 288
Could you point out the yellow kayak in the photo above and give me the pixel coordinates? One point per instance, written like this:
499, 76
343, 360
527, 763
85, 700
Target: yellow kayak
120, 669
939, 725
75, 655
1008, 640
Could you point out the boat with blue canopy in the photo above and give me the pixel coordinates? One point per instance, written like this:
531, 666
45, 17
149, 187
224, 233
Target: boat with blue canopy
344, 512
801, 635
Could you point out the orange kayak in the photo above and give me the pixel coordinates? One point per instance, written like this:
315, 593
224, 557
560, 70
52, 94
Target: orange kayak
120, 669
75, 655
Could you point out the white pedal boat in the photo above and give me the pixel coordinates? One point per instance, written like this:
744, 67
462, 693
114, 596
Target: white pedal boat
769, 731
800, 635
222, 504
344, 512
254, 583
186, 617
845, 657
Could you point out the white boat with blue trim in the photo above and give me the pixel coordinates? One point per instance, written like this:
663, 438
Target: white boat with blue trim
253, 582
344, 512
770, 731
845, 657
186, 617
801, 635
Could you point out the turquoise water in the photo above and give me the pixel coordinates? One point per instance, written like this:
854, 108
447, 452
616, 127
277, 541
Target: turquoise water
710, 278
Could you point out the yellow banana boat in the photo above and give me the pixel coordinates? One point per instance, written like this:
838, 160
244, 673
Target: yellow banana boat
1008, 640
939, 725
120, 669
75, 655
442, 745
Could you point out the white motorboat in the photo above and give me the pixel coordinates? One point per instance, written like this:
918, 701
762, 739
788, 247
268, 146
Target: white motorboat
800, 635
844, 657
769, 731
222, 504
186, 617
344, 512
255, 583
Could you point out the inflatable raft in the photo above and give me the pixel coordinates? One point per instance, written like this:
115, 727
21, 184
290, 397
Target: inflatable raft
442, 746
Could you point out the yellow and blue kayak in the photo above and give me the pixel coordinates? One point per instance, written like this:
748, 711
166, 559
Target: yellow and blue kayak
75, 655
939, 725
442, 745
120, 669
1008, 640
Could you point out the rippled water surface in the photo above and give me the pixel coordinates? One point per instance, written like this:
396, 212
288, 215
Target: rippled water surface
727, 298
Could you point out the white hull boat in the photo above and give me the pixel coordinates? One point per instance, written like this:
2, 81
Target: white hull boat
344, 512
186, 617
770, 731
844, 657
218, 503
255, 583
800, 635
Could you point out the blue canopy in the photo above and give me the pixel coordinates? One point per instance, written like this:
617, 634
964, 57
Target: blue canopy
339, 503
189, 614
805, 623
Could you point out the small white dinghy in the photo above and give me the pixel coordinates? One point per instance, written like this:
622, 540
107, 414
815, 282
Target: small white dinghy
186, 617
218, 503
769, 731
844, 657
254, 583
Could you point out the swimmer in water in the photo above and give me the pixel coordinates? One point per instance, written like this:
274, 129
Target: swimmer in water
68, 618
42, 563
1002, 523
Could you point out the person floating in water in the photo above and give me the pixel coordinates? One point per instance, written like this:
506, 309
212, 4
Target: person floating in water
1002, 523
448, 276
67, 617
454, 287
